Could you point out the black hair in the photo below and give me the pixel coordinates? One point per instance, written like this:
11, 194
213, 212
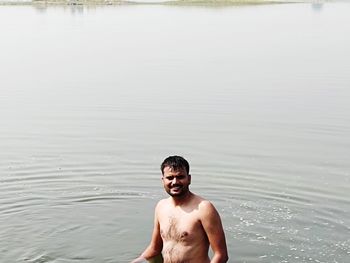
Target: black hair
175, 162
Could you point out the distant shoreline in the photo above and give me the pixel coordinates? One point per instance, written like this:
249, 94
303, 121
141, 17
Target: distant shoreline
154, 2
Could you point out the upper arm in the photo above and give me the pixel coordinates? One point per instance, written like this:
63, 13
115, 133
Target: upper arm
212, 225
156, 245
156, 237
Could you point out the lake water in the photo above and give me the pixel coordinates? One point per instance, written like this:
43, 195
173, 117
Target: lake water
92, 99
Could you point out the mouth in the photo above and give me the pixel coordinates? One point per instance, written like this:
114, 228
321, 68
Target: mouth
176, 188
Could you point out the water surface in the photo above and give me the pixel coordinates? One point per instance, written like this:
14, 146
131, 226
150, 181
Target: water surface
94, 98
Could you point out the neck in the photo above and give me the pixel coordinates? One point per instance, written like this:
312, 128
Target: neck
179, 200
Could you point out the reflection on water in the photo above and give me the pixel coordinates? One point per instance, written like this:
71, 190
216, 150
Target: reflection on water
317, 6
91, 103
81, 9
74, 9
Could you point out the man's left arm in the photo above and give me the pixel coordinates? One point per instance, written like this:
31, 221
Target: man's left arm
213, 227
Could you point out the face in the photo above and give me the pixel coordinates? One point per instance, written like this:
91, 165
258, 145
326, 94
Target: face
176, 182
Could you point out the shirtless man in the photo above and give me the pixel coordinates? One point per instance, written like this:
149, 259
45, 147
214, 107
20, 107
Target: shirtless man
185, 224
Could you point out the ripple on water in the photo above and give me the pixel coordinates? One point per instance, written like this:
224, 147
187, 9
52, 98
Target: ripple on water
42, 257
291, 232
38, 182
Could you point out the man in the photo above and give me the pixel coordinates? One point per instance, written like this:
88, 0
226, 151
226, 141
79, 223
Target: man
185, 224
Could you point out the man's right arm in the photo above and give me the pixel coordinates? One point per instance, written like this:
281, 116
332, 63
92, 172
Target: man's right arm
156, 245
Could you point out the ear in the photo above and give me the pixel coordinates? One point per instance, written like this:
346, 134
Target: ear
189, 178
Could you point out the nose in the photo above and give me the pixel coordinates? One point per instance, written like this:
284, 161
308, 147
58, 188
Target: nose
174, 181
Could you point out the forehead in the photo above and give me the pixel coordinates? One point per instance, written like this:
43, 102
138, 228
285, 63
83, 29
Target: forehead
172, 171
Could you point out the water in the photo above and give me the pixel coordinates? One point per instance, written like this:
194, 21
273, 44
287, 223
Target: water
94, 98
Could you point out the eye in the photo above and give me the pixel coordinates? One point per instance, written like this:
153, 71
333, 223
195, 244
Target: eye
170, 178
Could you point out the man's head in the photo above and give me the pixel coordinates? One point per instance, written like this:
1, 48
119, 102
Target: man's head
176, 177
175, 163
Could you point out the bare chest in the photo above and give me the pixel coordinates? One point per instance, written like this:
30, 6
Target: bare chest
180, 228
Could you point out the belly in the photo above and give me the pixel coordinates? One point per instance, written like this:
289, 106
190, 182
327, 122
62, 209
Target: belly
174, 252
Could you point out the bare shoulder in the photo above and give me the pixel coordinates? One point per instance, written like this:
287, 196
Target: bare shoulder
206, 208
162, 204
159, 205
203, 203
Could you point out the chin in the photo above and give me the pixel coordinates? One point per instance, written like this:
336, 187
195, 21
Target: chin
179, 194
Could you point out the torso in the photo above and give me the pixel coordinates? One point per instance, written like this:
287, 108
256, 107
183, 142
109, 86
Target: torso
184, 240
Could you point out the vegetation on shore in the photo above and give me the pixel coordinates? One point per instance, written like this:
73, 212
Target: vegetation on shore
164, 2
